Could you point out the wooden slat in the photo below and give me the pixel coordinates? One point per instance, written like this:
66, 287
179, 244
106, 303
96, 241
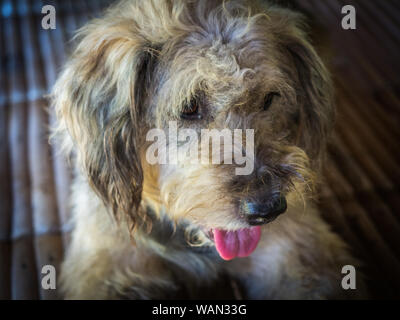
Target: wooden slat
43, 198
5, 192
366, 150
23, 263
52, 53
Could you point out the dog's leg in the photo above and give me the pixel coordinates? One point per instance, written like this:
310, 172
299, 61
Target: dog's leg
101, 261
89, 260
298, 257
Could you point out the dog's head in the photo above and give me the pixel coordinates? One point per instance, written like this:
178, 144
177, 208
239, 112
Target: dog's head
246, 71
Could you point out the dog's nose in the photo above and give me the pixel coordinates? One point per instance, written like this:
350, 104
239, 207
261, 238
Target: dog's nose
257, 213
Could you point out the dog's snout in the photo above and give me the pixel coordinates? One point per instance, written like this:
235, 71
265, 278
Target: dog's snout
258, 213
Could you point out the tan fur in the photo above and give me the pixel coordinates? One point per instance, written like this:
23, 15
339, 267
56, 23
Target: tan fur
139, 228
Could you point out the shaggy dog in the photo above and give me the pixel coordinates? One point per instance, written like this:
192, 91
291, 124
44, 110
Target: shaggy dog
145, 230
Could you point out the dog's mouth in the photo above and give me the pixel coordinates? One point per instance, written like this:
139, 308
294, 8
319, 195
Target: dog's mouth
235, 244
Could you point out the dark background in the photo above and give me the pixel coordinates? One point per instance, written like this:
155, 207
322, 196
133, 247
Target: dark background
360, 196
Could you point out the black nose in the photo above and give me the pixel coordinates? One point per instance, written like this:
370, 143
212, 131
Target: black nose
261, 213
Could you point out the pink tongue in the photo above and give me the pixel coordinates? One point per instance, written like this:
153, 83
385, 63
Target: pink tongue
239, 243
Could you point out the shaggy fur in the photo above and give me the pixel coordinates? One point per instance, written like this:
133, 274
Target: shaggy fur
140, 230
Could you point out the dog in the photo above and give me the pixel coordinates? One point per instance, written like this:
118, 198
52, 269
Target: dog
146, 230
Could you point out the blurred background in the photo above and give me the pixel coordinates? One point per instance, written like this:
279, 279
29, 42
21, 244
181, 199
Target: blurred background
360, 195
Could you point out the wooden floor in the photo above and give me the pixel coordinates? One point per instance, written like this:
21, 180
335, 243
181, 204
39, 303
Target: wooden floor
360, 197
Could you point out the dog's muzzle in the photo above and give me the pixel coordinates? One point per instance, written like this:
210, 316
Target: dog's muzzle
258, 213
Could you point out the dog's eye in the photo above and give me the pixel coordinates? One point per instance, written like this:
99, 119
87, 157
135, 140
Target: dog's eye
191, 111
269, 98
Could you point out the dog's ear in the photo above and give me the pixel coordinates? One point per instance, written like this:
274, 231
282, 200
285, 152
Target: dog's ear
99, 100
314, 92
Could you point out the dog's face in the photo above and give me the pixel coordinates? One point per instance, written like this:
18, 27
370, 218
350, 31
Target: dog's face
198, 65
